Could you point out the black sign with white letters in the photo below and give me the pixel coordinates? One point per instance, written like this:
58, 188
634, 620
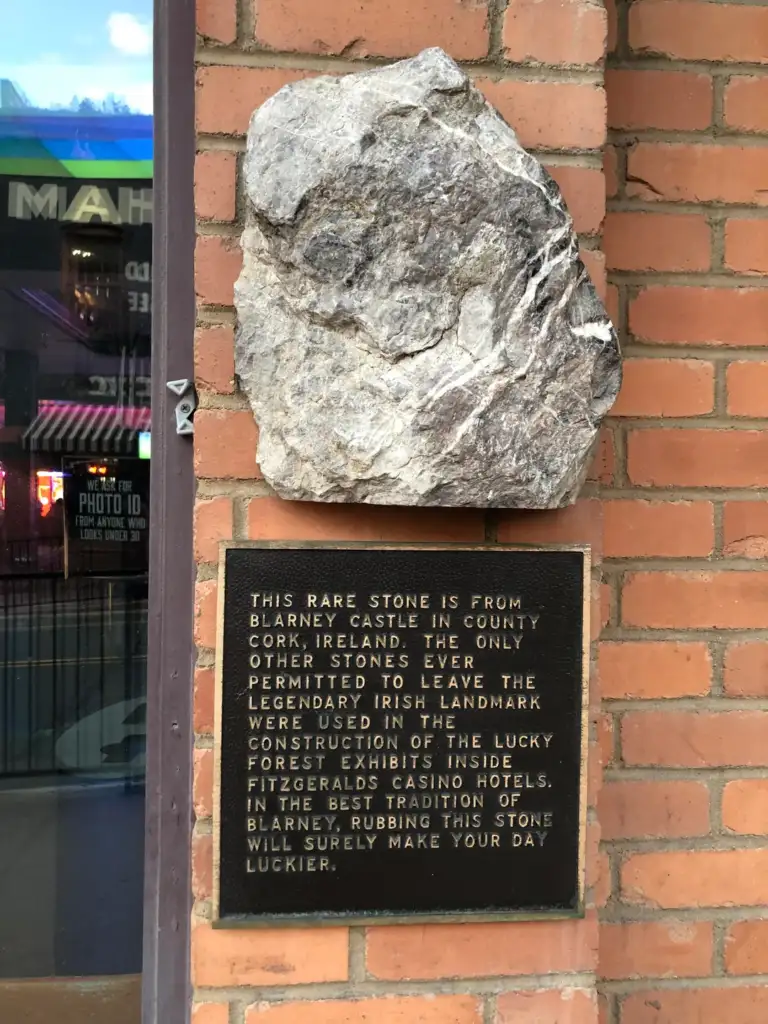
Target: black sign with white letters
107, 503
401, 732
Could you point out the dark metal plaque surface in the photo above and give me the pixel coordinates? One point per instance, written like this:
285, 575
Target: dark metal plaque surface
401, 732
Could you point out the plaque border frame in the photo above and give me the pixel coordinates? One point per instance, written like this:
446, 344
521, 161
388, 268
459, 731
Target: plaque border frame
329, 919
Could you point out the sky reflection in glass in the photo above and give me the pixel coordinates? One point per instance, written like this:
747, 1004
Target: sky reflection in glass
92, 55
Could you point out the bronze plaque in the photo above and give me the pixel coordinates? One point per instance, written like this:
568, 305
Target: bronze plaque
401, 732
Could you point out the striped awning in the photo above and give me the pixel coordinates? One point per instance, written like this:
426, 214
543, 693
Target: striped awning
86, 429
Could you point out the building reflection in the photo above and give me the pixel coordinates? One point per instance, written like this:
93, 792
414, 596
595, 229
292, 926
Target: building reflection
75, 339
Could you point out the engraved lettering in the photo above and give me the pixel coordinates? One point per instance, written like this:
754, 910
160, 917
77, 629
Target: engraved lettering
393, 718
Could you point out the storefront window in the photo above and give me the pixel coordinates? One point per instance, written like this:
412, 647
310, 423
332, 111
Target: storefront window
75, 446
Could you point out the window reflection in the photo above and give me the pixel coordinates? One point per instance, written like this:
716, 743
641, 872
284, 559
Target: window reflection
75, 445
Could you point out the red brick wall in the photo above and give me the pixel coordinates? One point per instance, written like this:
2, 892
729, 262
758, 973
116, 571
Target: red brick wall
541, 64
673, 507
684, 660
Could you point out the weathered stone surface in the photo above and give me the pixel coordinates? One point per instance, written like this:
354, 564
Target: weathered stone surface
415, 324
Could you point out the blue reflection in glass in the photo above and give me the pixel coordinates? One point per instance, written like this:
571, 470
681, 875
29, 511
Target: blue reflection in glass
86, 58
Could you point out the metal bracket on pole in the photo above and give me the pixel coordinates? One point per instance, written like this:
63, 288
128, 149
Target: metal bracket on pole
186, 405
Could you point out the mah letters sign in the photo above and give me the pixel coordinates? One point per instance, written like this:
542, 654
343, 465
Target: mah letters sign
401, 732
79, 203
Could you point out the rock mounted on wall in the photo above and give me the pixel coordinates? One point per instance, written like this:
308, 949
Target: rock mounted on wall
415, 325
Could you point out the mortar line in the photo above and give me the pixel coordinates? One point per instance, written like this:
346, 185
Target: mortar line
494, 68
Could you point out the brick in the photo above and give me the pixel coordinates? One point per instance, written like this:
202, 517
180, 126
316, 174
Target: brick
603, 465
227, 96
202, 866
700, 316
550, 1006
581, 523
701, 878
550, 115
696, 600
386, 1010
606, 604
653, 810
215, 359
746, 103
745, 806
666, 387
217, 21
692, 30
225, 445
746, 245
205, 613
605, 738
696, 1006
611, 171
383, 29
210, 1013
601, 892
647, 529
594, 261
703, 739
594, 264
745, 671
213, 523
554, 32
745, 529
698, 458
747, 386
655, 949
204, 700
275, 519
268, 956
215, 185
644, 669
217, 265
592, 844
202, 786
477, 950
656, 241
746, 948
670, 100
682, 172
583, 190
602, 603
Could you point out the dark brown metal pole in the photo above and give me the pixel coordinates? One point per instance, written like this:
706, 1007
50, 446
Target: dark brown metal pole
167, 900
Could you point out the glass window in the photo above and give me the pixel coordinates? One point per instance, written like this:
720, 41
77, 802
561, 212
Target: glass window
75, 445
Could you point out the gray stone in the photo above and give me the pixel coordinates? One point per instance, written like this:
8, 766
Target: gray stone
415, 324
